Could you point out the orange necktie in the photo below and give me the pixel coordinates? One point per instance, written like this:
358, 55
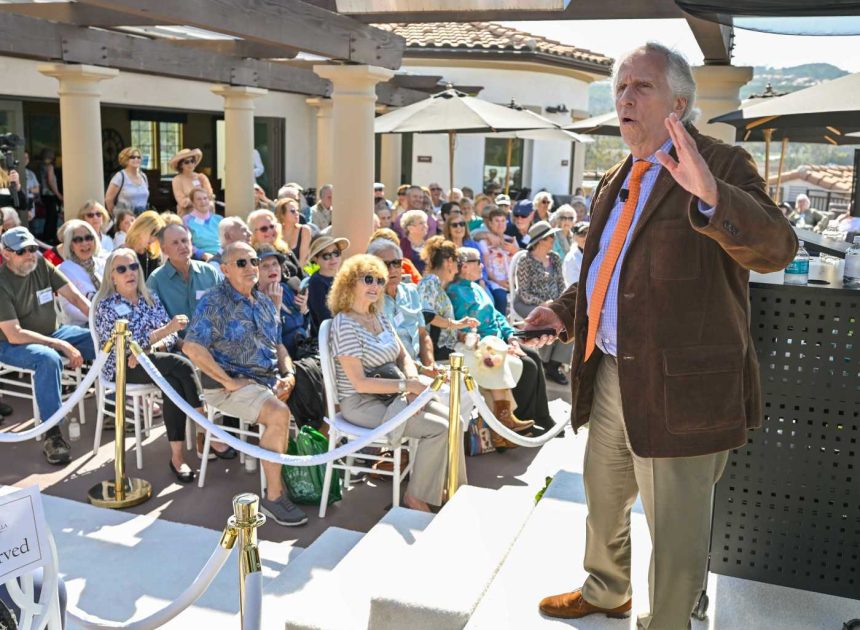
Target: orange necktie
616, 243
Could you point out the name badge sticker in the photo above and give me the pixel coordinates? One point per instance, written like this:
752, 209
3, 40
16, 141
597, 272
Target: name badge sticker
398, 318
45, 296
121, 309
24, 533
200, 294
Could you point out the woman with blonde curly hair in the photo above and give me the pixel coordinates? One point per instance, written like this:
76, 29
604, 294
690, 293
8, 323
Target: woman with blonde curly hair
376, 379
141, 238
129, 187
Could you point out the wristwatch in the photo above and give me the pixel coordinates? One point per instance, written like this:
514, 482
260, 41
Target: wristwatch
401, 386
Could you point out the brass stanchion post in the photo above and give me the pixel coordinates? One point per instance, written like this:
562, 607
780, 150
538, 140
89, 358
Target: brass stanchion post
455, 436
122, 492
245, 520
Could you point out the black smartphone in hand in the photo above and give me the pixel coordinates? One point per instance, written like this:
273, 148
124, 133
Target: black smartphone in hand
535, 333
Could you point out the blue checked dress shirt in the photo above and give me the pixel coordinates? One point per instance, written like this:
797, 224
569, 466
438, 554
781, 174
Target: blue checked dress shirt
607, 330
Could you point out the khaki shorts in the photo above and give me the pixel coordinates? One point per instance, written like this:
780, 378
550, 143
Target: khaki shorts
245, 403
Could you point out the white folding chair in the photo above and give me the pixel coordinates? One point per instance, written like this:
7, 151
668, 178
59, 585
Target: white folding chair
513, 285
143, 398
339, 428
44, 612
246, 429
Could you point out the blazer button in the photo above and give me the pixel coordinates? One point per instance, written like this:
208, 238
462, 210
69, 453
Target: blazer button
629, 296
628, 357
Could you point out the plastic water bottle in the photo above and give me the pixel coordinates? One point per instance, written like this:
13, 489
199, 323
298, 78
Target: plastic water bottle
797, 271
851, 275
250, 464
74, 430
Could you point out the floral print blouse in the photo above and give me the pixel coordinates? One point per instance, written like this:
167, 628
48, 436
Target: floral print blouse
535, 283
434, 298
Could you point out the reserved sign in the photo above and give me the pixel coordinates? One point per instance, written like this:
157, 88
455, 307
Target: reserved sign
23, 532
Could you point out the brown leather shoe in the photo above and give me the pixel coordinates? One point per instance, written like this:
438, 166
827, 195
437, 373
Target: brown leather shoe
502, 411
573, 606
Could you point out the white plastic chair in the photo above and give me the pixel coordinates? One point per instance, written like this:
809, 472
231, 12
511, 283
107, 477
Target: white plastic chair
340, 428
43, 614
514, 317
142, 399
246, 429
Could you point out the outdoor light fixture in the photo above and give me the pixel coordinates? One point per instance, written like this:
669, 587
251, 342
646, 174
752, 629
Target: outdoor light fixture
557, 109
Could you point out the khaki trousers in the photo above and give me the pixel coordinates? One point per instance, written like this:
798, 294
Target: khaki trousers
677, 496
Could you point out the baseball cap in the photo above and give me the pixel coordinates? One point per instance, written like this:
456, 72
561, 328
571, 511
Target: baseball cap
17, 238
503, 200
523, 208
378, 186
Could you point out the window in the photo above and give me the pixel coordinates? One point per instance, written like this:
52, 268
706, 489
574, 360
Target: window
495, 164
158, 142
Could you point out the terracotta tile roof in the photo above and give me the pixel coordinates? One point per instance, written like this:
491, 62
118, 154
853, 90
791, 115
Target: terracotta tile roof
829, 176
489, 36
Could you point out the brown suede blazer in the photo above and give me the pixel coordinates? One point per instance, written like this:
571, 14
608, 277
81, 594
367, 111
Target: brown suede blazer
687, 367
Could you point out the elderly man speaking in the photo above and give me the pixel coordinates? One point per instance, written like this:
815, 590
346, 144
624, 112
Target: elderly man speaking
664, 369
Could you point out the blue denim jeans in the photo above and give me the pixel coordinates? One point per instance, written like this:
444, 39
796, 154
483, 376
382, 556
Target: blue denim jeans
47, 364
500, 300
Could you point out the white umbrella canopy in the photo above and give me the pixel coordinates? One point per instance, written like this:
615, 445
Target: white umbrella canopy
601, 125
453, 112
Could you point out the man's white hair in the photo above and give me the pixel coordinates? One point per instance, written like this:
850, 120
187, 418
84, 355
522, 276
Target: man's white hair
679, 76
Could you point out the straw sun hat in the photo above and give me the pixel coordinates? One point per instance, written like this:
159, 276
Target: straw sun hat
491, 365
197, 154
322, 242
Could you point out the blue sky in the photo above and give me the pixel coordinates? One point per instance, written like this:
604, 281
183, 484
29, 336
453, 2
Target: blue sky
612, 37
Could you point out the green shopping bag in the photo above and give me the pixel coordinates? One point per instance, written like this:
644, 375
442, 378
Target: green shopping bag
305, 483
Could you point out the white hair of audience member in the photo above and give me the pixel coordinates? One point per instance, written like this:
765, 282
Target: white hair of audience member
380, 245
565, 210
324, 189
289, 192
468, 253
801, 198
73, 225
455, 194
541, 196
10, 218
412, 216
228, 223
679, 76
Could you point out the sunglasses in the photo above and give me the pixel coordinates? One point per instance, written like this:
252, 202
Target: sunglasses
369, 280
435, 190
88, 238
134, 157
330, 255
188, 161
121, 269
266, 228
544, 201
30, 249
470, 260
92, 215
393, 264
241, 263
458, 224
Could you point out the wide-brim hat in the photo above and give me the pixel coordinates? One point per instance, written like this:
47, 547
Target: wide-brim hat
540, 231
322, 242
491, 365
197, 154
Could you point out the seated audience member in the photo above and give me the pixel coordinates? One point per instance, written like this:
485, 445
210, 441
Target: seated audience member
122, 220
402, 304
414, 225
29, 336
83, 267
383, 215
409, 269
123, 295
521, 220
97, 216
142, 239
230, 230
297, 236
202, 222
572, 263
261, 201
467, 207
441, 258
580, 206
456, 230
469, 298
365, 345
804, 214
476, 221
445, 211
467, 192
496, 251
265, 228
180, 282
564, 219
234, 338
187, 179
309, 407
540, 281
416, 199
327, 252
294, 191
455, 195
321, 211
542, 204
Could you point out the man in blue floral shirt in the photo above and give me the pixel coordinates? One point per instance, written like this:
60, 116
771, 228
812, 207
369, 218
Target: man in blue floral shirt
235, 340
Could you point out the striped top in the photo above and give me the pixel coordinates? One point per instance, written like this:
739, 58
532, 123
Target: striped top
351, 339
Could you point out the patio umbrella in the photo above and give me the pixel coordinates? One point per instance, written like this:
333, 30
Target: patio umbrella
453, 112
602, 125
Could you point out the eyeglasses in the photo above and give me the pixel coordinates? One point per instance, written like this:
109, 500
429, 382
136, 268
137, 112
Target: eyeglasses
134, 157
266, 228
458, 224
92, 215
393, 264
121, 269
330, 255
470, 260
87, 238
544, 201
566, 219
369, 280
435, 190
188, 161
241, 263
30, 249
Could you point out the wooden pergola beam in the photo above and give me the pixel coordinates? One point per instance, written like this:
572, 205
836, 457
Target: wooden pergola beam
75, 13
289, 23
714, 39
239, 48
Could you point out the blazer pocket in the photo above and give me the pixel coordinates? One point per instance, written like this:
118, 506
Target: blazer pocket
703, 388
674, 252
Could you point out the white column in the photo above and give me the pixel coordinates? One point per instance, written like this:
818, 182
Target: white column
352, 162
391, 162
324, 139
718, 92
239, 146
80, 131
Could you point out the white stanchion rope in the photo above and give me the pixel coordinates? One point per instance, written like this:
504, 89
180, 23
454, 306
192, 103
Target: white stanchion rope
64, 410
158, 619
252, 620
520, 440
278, 458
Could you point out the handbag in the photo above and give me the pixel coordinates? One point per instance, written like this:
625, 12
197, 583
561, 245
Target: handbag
478, 438
305, 483
386, 370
